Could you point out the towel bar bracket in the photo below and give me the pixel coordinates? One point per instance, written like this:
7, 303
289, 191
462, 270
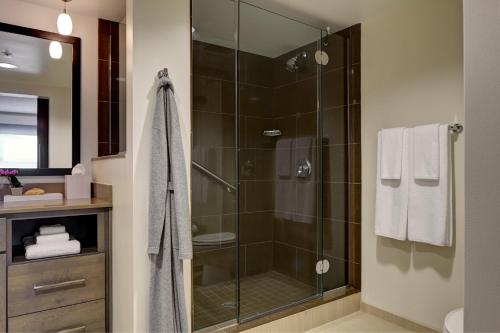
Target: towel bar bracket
456, 128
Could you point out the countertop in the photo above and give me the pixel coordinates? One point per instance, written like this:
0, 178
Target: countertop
61, 205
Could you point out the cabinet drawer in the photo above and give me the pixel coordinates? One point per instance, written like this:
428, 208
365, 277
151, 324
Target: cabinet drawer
86, 317
3, 234
43, 285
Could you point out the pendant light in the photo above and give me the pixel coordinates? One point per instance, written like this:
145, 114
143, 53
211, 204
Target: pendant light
64, 22
55, 50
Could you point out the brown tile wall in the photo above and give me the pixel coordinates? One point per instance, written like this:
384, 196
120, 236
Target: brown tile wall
294, 102
295, 113
342, 162
108, 88
214, 144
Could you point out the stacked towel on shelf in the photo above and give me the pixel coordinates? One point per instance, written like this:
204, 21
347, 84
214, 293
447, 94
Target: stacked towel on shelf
52, 229
50, 241
51, 238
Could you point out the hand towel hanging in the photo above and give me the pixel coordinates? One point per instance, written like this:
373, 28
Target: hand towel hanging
391, 207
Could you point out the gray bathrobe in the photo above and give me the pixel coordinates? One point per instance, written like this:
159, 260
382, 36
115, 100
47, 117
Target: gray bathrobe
169, 223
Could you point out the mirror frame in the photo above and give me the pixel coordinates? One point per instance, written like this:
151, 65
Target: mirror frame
75, 98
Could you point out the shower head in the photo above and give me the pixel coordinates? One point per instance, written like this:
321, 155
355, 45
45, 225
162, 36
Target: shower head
293, 64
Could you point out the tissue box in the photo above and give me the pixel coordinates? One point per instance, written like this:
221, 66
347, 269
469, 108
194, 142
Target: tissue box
77, 187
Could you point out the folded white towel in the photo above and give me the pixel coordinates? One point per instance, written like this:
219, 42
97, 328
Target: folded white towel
426, 152
52, 229
283, 163
430, 214
43, 239
391, 207
391, 153
39, 251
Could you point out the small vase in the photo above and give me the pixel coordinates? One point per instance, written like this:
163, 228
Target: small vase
16, 191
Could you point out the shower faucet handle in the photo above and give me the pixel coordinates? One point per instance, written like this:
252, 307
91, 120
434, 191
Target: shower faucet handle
304, 168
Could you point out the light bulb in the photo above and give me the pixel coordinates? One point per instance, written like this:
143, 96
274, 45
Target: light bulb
64, 24
55, 50
7, 65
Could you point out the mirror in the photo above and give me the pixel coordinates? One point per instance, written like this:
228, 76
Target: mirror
39, 101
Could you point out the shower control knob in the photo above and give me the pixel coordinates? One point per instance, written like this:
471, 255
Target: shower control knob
303, 168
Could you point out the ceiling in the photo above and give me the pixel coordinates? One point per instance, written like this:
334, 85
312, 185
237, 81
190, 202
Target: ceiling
338, 14
261, 32
34, 64
265, 33
113, 10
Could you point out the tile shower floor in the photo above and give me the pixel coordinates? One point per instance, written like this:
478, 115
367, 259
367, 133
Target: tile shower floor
258, 294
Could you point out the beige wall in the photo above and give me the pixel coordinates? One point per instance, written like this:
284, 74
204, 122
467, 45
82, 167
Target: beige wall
411, 75
161, 34
118, 173
482, 87
44, 18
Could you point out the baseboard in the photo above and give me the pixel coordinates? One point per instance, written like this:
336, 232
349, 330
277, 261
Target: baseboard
403, 322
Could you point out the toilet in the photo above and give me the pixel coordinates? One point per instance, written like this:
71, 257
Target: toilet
214, 239
454, 321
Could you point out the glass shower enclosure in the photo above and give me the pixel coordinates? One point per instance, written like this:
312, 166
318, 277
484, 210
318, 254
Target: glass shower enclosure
257, 161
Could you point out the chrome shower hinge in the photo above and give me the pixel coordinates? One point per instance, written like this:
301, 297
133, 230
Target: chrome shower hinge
322, 266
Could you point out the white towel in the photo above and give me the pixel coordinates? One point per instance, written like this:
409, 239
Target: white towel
284, 199
283, 158
426, 152
303, 148
391, 207
52, 229
39, 251
391, 153
44, 239
430, 215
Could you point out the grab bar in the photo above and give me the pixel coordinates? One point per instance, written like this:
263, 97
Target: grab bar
229, 187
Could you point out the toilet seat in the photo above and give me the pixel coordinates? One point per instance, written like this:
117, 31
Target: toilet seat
214, 239
454, 321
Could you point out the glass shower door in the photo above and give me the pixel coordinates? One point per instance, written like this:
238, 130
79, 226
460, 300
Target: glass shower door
279, 159
214, 214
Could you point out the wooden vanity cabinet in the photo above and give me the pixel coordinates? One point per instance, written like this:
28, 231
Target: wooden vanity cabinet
59, 294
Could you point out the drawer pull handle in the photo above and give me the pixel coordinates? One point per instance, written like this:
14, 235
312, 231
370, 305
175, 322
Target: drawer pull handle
56, 286
74, 329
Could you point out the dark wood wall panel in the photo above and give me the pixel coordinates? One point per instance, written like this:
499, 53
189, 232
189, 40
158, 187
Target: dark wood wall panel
108, 88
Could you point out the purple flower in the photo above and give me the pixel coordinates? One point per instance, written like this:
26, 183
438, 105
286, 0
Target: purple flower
6, 172
11, 177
